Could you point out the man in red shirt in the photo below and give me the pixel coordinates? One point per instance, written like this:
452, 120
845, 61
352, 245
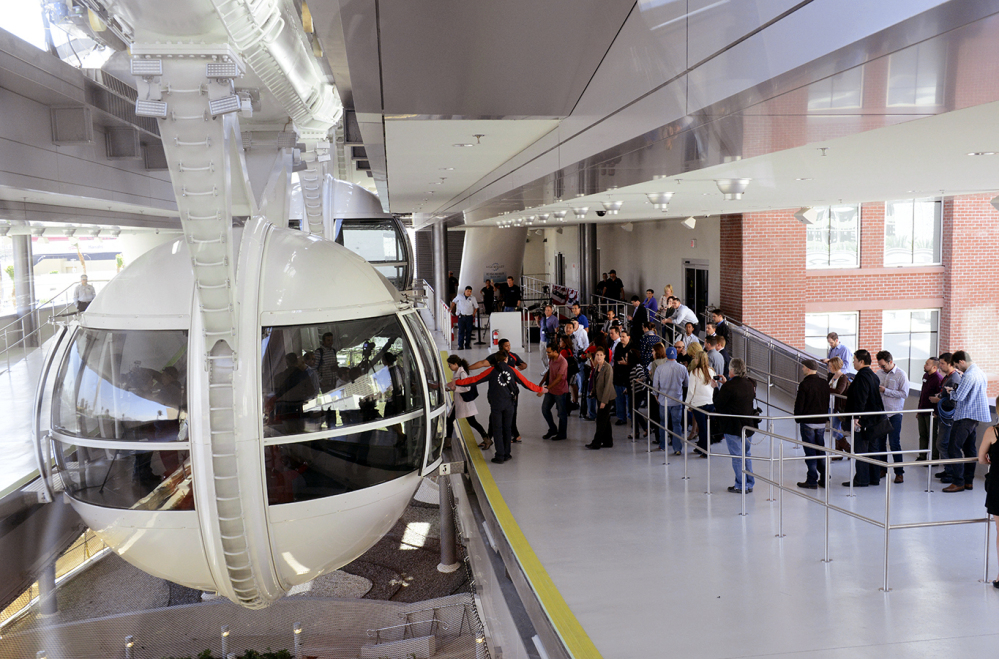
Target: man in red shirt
558, 388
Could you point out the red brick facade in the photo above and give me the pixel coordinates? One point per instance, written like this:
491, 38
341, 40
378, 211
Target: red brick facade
764, 282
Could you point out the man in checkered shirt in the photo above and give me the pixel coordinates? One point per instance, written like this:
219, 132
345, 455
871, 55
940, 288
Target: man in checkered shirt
972, 407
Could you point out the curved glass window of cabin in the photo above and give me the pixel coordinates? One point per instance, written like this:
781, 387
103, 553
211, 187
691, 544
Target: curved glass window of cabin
126, 479
128, 385
321, 377
301, 471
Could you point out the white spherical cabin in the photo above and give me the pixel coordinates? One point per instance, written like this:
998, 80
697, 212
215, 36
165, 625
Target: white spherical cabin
339, 412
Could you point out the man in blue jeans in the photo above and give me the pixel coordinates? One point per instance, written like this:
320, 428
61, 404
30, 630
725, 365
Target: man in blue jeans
737, 396
668, 382
945, 409
622, 379
894, 390
464, 307
971, 408
812, 398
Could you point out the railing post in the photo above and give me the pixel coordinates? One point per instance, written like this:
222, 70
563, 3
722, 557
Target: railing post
988, 538
828, 478
648, 415
683, 443
887, 525
448, 536
780, 492
929, 457
770, 459
743, 479
853, 453
708, 421
634, 415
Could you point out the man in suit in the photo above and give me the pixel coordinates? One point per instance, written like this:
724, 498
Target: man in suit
864, 395
639, 316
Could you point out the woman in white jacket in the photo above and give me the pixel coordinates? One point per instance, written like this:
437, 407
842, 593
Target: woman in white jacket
700, 396
463, 409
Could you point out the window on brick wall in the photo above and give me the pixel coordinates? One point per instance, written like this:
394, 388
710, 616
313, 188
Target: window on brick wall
912, 232
833, 241
818, 326
911, 336
843, 90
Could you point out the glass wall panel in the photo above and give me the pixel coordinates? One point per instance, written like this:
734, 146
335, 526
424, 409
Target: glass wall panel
328, 375
833, 241
326, 467
911, 336
431, 360
913, 232
126, 385
126, 479
819, 325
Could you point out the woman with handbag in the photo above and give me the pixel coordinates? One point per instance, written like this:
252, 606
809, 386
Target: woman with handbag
838, 384
464, 405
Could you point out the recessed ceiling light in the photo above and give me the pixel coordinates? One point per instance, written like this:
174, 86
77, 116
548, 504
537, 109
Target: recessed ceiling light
982, 153
462, 145
447, 169
803, 179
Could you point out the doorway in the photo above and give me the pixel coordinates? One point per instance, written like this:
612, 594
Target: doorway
695, 285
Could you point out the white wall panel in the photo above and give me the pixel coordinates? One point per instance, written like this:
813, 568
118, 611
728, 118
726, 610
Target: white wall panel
652, 254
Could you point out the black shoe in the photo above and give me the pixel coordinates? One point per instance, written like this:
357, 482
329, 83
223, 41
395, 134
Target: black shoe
620, 423
498, 460
558, 439
847, 484
549, 434
738, 490
593, 446
808, 486
940, 474
611, 445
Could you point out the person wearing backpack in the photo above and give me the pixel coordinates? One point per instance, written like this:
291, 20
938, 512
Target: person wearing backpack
464, 402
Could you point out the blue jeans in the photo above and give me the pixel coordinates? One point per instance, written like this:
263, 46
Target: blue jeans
465, 325
735, 448
702, 424
591, 407
943, 440
510, 309
560, 402
816, 468
672, 417
895, 441
621, 402
962, 445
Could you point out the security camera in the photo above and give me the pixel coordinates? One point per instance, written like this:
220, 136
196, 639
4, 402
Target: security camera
600, 213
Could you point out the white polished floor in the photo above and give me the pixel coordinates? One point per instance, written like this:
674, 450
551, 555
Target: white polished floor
653, 567
17, 393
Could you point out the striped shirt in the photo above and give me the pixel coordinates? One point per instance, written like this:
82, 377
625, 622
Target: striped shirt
971, 397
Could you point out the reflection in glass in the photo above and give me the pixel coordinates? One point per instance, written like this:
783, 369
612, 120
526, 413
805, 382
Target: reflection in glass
818, 326
912, 232
126, 385
380, 242
833, 241
327, 467
916, 75
430, 357
837, 92
127, 479
911, 336
324, 376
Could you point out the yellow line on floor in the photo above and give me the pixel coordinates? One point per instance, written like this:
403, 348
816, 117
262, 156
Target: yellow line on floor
566, 625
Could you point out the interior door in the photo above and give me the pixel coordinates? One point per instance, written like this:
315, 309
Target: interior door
695, 286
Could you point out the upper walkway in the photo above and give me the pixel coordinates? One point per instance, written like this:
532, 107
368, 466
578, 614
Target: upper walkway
650, 565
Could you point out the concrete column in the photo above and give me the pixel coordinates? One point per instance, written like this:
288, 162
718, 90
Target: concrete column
440, 276
24, 285
449, 538
587, 261
47, 603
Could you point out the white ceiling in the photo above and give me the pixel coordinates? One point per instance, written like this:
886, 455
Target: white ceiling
8, 193
420, 153
921, 158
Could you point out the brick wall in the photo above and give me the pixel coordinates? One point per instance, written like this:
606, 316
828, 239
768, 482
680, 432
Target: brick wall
765, 283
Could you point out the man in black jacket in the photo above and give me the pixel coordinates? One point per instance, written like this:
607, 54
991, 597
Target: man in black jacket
812, 398
864, 395
503, 382
640, 316
737, 396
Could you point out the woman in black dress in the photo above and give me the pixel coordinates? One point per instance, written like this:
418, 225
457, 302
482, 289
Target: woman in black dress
988, 454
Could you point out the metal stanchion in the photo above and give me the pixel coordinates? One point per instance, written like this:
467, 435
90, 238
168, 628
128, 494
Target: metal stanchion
683, 443
448, 536
988, 538
828, 478
780, 492
770, 496
708, 421
853, 450
478, 318
929, 456
743, 479
648, 419
887, 523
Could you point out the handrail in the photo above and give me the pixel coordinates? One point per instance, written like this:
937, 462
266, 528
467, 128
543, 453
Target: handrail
376, 633
827, 455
